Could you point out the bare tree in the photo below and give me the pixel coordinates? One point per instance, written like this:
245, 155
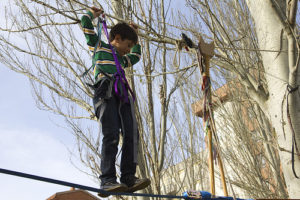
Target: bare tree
261, 36
42, 40
248, 146
55, 56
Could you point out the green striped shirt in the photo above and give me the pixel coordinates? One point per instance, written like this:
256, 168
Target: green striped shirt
103, 57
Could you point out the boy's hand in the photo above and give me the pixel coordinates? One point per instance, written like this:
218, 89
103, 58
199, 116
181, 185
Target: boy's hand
96, 11
134, 26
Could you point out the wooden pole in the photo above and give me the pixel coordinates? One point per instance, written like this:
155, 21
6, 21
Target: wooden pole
211, 164
207, 50
222, 175
206, 74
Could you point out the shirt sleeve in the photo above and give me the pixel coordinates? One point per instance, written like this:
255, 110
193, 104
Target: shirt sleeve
133, 57
88, 29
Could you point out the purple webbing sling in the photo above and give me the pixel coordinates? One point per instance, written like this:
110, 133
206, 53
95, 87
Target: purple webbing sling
120, 74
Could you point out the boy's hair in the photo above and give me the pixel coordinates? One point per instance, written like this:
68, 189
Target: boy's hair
125, 31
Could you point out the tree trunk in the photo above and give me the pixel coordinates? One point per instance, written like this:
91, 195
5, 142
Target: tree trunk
117, 8
278, 74
163, 93
141, 170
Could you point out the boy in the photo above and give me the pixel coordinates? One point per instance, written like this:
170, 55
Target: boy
113, 113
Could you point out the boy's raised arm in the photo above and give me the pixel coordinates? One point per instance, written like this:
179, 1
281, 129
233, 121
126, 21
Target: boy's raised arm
134, 56
135, 53
88, 28
96, 11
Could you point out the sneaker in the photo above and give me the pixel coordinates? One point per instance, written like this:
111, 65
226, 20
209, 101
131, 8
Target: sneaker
135, 184
112, 187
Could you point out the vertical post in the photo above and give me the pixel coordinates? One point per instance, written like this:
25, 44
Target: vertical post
206, 75
207, 50
222, 175
211, 164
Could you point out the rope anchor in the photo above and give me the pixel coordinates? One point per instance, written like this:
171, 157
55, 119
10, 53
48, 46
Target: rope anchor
291, 89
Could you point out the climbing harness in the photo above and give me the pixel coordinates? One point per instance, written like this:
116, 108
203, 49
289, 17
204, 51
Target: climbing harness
120, 74
119, 77
134, 127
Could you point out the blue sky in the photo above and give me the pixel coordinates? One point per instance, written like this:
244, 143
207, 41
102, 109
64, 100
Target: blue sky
31, 143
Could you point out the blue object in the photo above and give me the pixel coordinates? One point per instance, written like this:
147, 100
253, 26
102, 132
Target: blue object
205, 194
193, 194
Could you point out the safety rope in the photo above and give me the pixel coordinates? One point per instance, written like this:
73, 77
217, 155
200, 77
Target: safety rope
99, 33
290, 90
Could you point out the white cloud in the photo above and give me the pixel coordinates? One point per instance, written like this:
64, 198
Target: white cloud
35, 152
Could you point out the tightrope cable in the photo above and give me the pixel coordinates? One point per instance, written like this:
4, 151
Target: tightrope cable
92, 189
83, 187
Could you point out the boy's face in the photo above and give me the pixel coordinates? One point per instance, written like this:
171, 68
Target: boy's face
122, 46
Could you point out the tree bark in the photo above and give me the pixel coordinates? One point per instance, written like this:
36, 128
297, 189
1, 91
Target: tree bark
267, 16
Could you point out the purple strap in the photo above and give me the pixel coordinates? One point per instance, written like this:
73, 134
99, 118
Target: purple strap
120, 74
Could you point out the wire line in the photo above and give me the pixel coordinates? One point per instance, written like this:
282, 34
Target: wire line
92, 189
83, 187
246, 49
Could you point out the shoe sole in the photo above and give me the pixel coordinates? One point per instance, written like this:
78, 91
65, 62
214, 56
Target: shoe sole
139, 186
113, 189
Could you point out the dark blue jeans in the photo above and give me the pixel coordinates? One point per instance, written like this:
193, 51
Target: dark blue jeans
116, 116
